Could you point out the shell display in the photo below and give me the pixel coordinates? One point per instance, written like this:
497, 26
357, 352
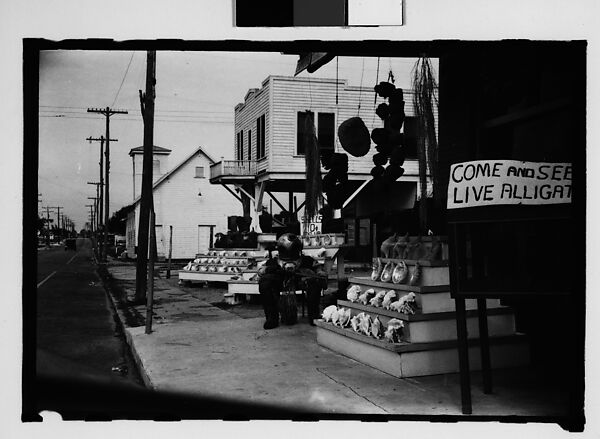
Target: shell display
400, 273
386, 274
327, 312
390, 296
326, 240
355, 323
393, 333
406, 304
415, 275
377, 328
344, 317
377, 267
352, 293
366, 296
365, 324
378, 299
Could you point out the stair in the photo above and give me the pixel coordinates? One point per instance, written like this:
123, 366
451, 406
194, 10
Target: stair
428, 344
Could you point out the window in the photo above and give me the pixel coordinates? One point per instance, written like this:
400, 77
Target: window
199, 172
239, 151
249, 144
324, 128
260, 137
155, 167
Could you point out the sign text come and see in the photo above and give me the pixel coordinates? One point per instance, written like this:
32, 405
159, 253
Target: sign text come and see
490, 182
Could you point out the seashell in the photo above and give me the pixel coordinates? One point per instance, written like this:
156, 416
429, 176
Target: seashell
196, 261
400, 273
394, 331
234, 254
365, 324
344, 317
326, 240
390, 296
242, 254
366, 296
377, 328
306, 241
202, 268
335, 316
322, 252
212, 269
188, 266
355, 322
221, 269
378, 299
386, 274
352, 293
327, 312
388, 245
377, 267
415, 275
203, 260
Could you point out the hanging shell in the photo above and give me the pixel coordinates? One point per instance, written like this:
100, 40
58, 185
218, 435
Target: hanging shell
386, 274
377, 268
365, 324
327, 312
400, 273
353, 293
389, 297
378, 299
366, 296
415, 275
377, 328
355, 323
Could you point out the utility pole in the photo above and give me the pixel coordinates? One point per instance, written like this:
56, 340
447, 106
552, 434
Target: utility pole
47, 225
91, 206
93, 212
57, 216
107, 112
98, 201
146, 202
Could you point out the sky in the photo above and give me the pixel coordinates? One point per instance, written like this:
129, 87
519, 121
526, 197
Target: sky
196, 93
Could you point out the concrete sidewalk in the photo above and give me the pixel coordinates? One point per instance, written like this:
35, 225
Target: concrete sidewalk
202, 349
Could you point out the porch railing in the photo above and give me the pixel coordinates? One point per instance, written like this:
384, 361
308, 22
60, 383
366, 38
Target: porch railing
239, 168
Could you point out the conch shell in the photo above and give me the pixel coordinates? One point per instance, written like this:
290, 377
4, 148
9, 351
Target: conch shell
400, 273
327, 312
406, 304
352, 293
355, 323
386, 274
366, 296
393, 333
415, 275
335, 316
389, 297
377, 328
365, 324
202, 268
377, 267
376, 301
188, 266
344, 317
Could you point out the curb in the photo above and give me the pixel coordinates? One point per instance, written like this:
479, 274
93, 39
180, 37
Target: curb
138, 361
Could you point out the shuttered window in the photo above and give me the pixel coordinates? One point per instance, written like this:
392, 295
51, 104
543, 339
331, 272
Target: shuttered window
324, 128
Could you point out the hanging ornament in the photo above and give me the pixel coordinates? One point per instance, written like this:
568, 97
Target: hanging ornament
354, 137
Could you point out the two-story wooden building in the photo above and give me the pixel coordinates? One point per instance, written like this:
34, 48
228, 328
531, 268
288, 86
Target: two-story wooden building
269, 155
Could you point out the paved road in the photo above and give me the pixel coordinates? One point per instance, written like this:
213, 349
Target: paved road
77, 337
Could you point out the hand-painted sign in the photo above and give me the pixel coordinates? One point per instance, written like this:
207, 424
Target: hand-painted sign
490, 182
311, 225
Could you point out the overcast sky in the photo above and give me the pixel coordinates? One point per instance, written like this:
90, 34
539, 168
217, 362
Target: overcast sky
196, 93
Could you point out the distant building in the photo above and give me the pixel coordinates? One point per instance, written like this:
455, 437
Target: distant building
184, 199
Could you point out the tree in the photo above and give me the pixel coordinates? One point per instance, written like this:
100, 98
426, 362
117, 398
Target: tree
117, 223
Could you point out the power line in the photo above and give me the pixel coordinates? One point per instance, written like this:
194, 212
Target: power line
123, 80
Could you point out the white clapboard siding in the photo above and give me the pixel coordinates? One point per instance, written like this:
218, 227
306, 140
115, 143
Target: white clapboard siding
281, 98
177, 204
256, 104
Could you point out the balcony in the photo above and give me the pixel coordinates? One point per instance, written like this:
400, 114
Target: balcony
233, 170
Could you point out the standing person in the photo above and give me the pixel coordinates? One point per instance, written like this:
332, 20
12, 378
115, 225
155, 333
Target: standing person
305, 274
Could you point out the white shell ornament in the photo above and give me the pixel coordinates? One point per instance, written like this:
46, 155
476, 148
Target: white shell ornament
400, 273
335, 316
352, 293
365, 324
377, 328
366, 296
393, 333
390, 296
386, 274
344, 317
377, 267
355, 323
377, 300
327, 312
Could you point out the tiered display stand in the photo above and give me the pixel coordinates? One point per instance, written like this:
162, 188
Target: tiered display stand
429, 340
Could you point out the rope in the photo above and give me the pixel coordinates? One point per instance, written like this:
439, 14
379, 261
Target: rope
361, 84
375, 101
123, 80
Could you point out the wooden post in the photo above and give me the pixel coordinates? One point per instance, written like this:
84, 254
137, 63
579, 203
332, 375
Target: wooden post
484, 345
146, 192
170, 251
150, 295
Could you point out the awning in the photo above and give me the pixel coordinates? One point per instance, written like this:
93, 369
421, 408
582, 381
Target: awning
312, 61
